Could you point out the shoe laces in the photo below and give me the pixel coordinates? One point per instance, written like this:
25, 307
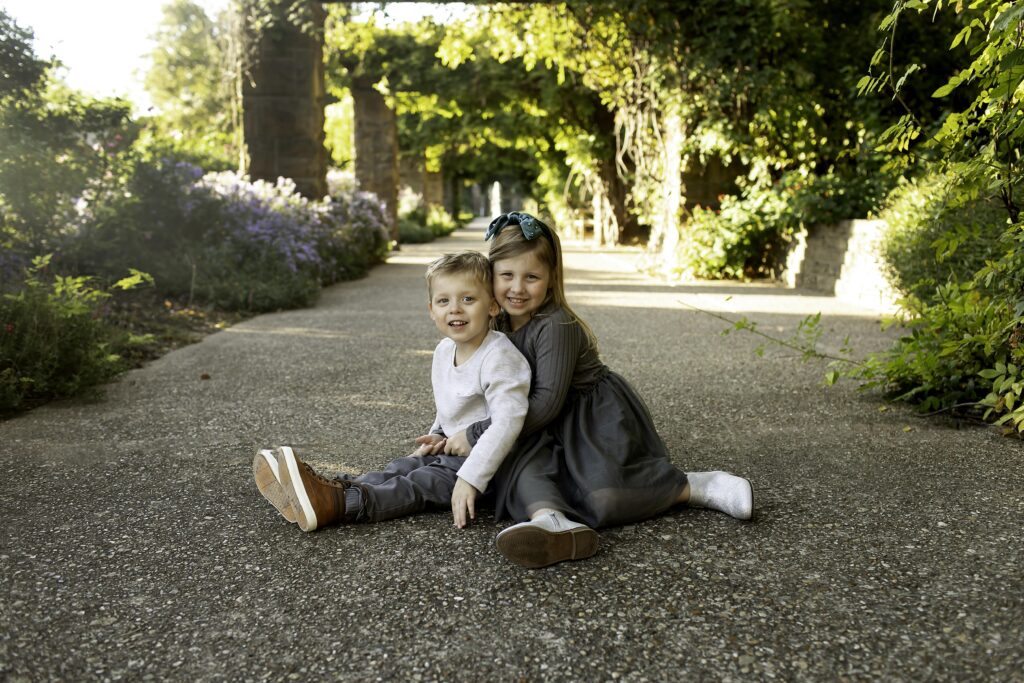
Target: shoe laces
321, 479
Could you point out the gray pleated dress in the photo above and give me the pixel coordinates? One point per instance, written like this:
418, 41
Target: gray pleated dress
589, 447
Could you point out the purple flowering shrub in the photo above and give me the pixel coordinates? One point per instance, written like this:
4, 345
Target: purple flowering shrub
148, 221
238, 244
262, 219
353, 236
261, 254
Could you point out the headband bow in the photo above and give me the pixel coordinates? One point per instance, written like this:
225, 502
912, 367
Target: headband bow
531, 227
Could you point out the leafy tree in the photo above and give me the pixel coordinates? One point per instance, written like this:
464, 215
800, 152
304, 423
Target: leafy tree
434, 123
967, 344
673, 91
191, 82
477, 115
56, 144
20, 68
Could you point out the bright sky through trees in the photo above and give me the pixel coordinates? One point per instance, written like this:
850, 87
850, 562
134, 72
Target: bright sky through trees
103, 44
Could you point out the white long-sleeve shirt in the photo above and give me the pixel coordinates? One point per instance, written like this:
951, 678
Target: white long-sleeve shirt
494, 383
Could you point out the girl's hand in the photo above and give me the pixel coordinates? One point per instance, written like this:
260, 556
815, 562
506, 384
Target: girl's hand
463, 503
430, 444
458, 445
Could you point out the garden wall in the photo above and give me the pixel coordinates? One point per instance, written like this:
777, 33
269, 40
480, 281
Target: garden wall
842, 260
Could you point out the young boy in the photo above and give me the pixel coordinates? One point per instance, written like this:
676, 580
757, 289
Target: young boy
477, 373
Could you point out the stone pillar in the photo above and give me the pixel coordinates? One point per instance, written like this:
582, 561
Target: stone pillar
477, 199
376, 147
410, 174
283, 102
455, 196
433, 188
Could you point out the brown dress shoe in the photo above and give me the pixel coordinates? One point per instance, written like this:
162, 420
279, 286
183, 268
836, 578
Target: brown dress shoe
315, 500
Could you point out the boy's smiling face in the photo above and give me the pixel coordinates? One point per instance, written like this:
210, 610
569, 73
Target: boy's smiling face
461, 307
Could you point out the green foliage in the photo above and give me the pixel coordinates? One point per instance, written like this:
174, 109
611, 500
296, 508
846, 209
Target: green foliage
1004, 401
943, 361
964, 350
980, 129
56, 144
419, 222
59, 148
410, 231
53, 340
936, 233
746, 236
339, 127
256, 284
440, 221
191, 82
734, 241
20, 69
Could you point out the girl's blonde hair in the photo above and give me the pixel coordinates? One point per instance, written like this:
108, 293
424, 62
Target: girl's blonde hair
510, 243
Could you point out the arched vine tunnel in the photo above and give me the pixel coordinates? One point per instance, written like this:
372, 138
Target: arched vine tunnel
284, 96
283, 103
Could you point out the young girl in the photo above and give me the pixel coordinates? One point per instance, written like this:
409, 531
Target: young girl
588, 455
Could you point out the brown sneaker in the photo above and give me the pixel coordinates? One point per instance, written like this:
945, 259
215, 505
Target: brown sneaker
266, 472
316, 500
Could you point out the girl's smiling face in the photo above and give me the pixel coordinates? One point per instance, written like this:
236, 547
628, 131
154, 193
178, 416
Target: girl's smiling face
521, 286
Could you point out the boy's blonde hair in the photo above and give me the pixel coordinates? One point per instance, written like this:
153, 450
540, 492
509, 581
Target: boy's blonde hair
471, 263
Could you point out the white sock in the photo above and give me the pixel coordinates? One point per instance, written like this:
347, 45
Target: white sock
723, 492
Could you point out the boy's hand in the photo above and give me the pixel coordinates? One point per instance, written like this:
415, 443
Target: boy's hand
429, 444
463, 502
458, 444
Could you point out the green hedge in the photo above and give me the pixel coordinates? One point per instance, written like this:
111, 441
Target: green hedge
937, 234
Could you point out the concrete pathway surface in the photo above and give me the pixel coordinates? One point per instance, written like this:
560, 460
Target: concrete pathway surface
135, 546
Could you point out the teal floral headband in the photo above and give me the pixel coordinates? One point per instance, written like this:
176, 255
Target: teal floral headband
531, 227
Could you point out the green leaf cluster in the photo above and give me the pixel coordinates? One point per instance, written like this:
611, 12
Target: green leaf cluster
956, 246
54, 341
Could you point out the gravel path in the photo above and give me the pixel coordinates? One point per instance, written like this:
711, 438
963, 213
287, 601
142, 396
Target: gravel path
135, 546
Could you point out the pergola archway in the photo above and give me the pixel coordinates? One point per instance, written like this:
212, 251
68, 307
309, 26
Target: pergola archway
283, 102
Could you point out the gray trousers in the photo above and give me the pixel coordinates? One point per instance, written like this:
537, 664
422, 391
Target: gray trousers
410, 484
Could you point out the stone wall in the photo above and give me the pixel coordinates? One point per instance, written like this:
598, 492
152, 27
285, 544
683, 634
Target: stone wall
283, 105
376, 147
842, 260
